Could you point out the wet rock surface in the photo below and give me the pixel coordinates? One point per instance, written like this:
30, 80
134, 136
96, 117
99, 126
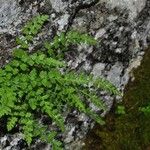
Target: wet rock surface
122, 28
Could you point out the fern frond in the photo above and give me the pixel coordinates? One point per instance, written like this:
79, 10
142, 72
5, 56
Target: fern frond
94, 99
95, 117
34, 26
107, 86
11, 123
74, 37
40, 83
54, 114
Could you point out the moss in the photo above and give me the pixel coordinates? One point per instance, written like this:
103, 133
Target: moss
132, 130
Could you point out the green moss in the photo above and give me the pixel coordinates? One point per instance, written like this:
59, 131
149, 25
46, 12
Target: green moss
130, 131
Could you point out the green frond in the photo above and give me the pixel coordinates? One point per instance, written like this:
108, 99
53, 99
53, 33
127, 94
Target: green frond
54, 114
93, 98
34, 26
11, 123
41, 83
76, 37
106, 85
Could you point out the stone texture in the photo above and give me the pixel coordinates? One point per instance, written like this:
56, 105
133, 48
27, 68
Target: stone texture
58, 5
122, 28
134, 6
9, 12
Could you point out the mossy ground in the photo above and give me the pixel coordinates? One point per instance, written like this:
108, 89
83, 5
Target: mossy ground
132, 130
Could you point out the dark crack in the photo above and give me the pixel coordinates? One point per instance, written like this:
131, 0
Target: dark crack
75, 10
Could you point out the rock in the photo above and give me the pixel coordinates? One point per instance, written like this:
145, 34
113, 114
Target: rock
100, 33
58, 5
63, 21
134, 6
9, 12
114, 74
98, 68
122, 28
11, 142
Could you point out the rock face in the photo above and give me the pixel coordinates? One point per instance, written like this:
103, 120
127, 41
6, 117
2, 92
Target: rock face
9, 11
134, 6
122, 28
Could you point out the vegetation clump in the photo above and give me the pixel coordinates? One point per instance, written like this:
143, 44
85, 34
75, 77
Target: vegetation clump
40, 83
120, 110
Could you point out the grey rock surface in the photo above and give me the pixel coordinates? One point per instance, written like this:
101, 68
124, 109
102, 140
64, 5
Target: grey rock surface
122, 28
58, 5
9, 12
134, 6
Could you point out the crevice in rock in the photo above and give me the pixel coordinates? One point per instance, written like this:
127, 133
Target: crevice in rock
77, 9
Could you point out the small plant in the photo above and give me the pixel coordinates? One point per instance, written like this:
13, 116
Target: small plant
34, 84
145, 110
120, 110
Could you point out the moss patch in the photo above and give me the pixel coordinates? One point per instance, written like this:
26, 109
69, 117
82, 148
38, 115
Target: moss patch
132, 130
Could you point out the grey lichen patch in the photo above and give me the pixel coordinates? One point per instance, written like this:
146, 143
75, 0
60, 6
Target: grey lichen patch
63, 21
58, 5
9, 12
134, 6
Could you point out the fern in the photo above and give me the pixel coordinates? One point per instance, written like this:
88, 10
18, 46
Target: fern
33, 27
11, 123
34, 84
60, 43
